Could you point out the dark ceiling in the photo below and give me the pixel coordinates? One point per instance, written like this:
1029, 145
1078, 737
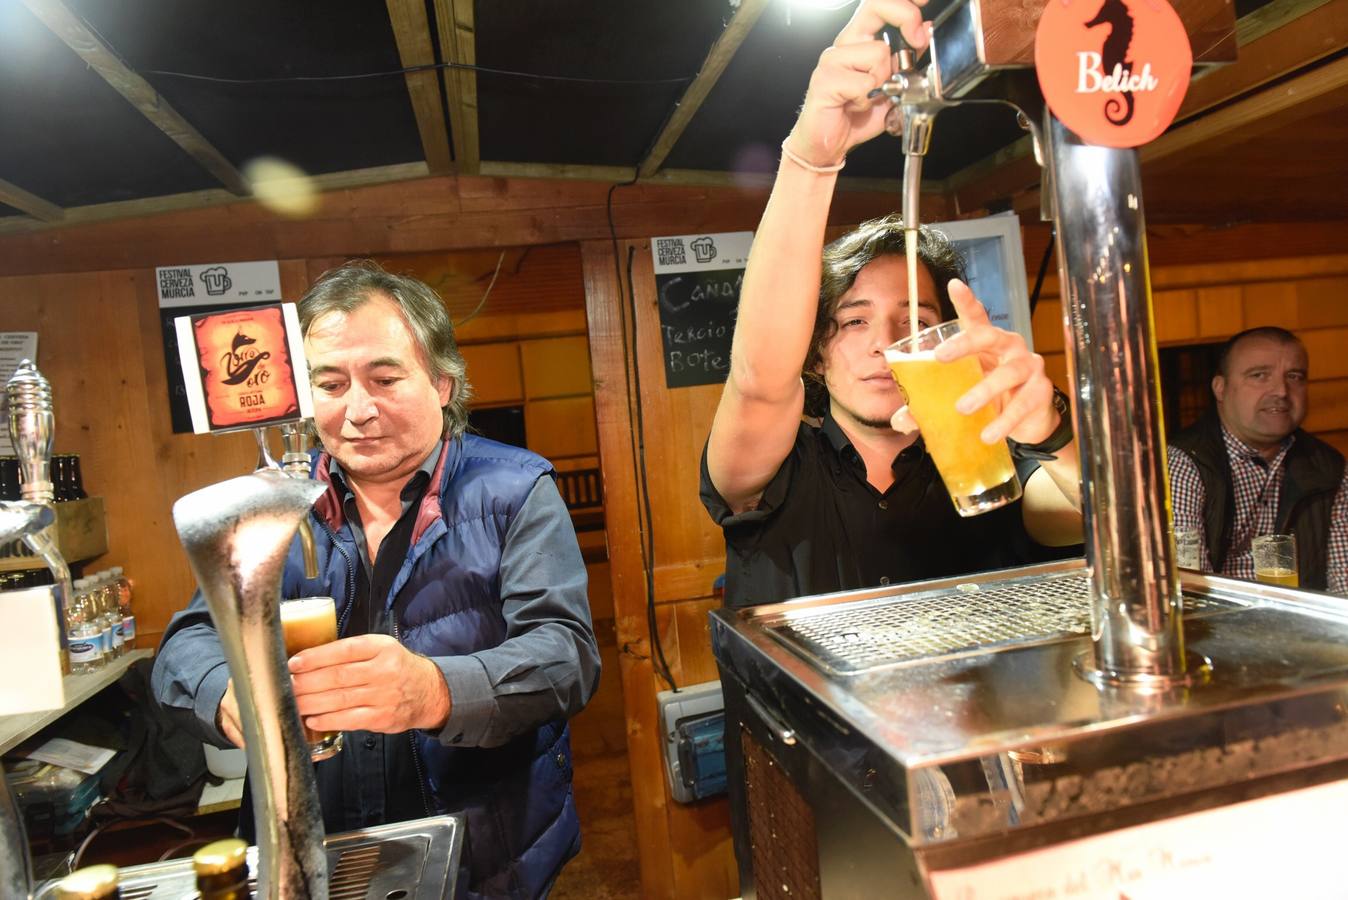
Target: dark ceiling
569, 88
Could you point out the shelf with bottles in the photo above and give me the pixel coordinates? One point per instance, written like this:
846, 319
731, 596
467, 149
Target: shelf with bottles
81, 534
14, 730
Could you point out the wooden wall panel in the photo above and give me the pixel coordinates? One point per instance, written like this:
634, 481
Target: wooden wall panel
1201, 303
562, 427
1176, 315
1327, 406
1328, 352
1220, 312
99, 345
557, 367
494, 373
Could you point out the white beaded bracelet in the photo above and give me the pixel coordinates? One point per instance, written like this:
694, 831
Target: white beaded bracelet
811, 167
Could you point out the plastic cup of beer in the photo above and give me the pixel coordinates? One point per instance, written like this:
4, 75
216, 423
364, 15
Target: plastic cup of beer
1187, 554
979, 476
1275, 559
308, 622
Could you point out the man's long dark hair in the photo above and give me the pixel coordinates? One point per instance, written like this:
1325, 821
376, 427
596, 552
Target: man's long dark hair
844, 259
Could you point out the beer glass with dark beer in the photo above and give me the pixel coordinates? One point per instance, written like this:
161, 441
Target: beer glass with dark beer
308, 622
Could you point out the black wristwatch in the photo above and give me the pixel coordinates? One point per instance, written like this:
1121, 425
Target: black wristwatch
1062, 435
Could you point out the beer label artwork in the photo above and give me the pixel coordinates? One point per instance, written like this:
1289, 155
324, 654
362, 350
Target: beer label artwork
244, 368
1113, 71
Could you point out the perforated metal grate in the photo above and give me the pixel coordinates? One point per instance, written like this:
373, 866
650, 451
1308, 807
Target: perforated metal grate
874, 633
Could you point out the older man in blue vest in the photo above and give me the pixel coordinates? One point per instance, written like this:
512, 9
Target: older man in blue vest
465, 640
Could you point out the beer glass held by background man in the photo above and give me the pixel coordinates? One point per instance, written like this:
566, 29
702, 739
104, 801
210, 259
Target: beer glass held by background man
855, 501
464, 637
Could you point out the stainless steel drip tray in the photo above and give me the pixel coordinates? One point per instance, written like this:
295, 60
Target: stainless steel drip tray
417, 860
980, 615
954, 708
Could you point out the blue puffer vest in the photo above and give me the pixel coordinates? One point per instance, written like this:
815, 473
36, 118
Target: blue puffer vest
521, 820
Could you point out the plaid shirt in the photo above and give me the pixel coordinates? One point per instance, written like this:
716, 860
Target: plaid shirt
1257, 486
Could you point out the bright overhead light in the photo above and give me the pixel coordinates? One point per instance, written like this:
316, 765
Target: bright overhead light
282, 187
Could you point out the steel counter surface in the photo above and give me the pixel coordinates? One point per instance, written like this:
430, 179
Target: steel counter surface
953, 708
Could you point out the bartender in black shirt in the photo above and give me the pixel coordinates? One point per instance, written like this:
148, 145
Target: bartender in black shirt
856, 502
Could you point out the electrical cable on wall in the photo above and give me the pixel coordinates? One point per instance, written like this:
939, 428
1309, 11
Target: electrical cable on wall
631, 375
428, 67
483, 302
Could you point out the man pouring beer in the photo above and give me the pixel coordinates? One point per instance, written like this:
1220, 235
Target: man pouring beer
464, 635
858, 500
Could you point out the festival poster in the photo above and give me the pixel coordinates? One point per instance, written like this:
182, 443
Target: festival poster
244, 368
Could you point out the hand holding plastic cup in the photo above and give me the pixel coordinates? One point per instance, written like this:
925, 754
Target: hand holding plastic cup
980, 477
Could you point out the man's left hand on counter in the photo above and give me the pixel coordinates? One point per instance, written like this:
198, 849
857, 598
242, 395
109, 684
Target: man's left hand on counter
368, 683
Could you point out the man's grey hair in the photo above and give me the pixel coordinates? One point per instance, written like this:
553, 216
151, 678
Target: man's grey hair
357, 282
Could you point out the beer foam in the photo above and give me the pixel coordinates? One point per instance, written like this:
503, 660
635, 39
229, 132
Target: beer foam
900, 356
300, 607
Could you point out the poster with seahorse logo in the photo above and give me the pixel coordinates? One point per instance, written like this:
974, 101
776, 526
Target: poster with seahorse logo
1113, 71
244, 368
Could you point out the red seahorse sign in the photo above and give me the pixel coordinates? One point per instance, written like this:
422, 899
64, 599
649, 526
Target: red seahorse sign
1113, 71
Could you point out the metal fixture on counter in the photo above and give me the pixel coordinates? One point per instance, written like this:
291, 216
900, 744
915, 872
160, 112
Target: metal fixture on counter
236, 534
18, 519
417, 860
32, 428
295, 463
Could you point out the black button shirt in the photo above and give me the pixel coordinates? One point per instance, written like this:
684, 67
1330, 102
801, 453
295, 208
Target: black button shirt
380, 768
821, 527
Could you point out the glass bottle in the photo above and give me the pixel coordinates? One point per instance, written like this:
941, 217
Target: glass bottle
89, 883
222, 870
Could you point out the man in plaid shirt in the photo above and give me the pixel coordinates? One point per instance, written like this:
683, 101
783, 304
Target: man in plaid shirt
1246, 468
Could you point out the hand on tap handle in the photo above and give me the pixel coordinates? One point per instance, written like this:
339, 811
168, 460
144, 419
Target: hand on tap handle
839, 111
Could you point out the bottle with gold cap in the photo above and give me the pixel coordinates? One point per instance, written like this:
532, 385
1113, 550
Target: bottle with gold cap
89, 883
222, 870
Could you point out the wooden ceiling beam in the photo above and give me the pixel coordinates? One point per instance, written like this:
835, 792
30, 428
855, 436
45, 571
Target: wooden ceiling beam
71, 29
412, 32
32, 204
1236, 119
150, 206
722, 51
458, 45
1311, 36
1306, 31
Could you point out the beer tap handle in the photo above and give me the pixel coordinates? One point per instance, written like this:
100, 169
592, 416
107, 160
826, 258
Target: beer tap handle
264, 457
295, 463
31, 430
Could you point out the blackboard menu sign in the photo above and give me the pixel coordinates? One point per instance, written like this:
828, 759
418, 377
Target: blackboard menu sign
697, 282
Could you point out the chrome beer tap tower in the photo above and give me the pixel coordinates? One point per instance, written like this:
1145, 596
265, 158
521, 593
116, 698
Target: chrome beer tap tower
236, 534
885, 741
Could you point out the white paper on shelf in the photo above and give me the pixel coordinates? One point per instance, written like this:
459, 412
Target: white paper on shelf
15, 346
30, 652
72, 755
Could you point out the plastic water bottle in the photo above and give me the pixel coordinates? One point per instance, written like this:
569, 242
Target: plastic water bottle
123, 585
